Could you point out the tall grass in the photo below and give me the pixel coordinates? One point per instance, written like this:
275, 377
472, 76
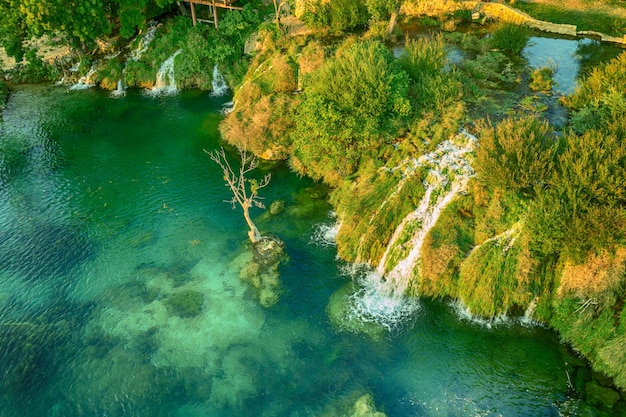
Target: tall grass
510, 37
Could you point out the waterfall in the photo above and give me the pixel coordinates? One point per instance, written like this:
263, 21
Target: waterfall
527, 319
120, 91
144, 42
165, 81
448, 176
464, 313
86, 81
382, 297
218, 84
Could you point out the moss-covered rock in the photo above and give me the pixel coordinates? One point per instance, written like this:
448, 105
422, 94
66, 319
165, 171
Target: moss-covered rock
600, 396
259, 268
185, 304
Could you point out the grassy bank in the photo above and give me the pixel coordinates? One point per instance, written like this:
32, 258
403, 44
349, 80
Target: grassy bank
587, 18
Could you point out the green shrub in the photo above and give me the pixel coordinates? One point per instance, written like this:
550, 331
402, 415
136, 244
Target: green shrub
582, 208
357, 101
338, 15
599, 101
4, 94
510, 37
541, 79
516, 154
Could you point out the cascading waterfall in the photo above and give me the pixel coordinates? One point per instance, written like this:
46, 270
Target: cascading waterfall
86, 81
144, 42
382, 298
165, 80
120, 91
448, 176
218, 84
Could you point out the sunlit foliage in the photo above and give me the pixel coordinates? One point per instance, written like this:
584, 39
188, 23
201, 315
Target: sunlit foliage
356, 102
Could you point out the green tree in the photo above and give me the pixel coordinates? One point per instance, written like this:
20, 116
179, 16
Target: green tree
355, 102
13, 29
383, 10
88, 19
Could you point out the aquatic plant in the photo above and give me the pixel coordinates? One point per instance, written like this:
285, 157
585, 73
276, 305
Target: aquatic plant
510, 37
541, 79
185, 303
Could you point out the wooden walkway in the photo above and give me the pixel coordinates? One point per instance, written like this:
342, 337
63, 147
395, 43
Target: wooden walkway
213, 5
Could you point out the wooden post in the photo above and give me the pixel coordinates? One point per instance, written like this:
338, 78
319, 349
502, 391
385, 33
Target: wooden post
193, 12
215, 14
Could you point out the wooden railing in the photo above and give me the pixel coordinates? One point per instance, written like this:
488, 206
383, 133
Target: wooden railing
213, 5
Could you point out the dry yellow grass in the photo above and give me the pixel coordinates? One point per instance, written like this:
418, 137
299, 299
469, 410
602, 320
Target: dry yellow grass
599, 273
584, 5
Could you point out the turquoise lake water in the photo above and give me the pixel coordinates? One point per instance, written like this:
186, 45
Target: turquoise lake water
109, 209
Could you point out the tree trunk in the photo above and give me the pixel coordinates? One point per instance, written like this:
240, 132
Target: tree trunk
254, 233
393, 19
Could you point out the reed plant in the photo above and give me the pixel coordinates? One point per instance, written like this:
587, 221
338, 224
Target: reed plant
510, 37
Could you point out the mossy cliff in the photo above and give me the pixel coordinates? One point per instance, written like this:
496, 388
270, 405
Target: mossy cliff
538, 229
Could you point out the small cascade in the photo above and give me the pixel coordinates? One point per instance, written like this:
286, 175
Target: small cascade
326, 234
464, 313
448, 176
227, 108
527, 319
218, 84
85, 81
165, 80
372, 303
144, 42
381, 297
120, 91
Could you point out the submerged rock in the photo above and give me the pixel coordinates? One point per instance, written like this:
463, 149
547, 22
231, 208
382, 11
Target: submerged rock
185, 304
363, 407
601, 396
259, 268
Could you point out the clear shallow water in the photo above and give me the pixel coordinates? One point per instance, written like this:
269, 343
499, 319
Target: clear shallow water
109, 208
569, 59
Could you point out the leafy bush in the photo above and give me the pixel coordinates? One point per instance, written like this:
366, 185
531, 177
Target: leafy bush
516, 154
582, 208
357, 101
599, 101
338, 15
36, 70
510, 37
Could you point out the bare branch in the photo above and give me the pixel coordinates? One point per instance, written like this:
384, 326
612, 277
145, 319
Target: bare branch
245, 197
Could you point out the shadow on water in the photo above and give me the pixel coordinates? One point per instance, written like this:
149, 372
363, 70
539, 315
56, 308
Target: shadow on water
42, 251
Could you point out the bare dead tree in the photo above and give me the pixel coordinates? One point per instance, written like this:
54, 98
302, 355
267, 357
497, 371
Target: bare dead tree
279, 5
245, 191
